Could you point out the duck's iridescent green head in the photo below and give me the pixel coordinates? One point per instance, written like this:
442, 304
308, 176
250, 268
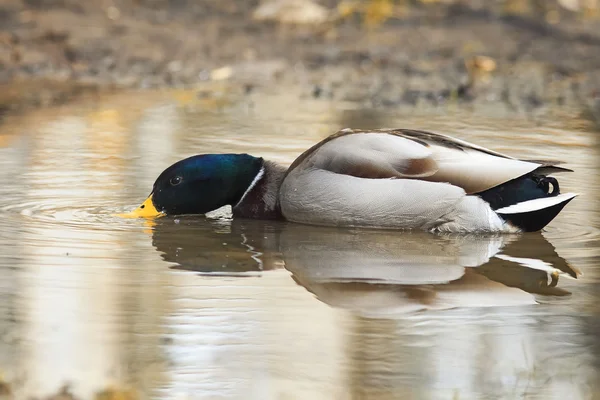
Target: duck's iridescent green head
200, 184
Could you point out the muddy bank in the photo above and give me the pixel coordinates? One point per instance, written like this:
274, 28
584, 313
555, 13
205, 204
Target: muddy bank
529, 60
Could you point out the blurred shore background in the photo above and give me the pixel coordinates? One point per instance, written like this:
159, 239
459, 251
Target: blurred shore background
519, 57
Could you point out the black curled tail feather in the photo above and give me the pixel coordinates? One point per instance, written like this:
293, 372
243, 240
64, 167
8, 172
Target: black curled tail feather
529, 202
548, 184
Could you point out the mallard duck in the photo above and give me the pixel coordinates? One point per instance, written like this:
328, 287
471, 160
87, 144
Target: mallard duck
384, 178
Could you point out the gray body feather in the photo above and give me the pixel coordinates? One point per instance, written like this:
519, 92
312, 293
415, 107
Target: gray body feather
319, 197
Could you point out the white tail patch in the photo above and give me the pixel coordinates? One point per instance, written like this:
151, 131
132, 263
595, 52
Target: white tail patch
536, 204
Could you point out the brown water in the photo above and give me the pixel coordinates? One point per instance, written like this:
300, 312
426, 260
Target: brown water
196, 308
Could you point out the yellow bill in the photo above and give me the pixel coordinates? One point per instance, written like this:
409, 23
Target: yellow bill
146, 210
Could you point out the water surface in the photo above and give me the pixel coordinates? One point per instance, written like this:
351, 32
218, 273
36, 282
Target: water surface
211, 308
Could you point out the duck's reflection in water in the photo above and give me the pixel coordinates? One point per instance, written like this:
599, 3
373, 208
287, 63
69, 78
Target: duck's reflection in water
379, 272
376, 346
217, 246
371, 271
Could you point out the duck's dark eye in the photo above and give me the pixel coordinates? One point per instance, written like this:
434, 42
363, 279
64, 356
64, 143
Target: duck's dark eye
176, 180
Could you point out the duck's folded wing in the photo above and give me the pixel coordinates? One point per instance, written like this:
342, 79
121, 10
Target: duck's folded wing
476, 171
430, 157
376, 156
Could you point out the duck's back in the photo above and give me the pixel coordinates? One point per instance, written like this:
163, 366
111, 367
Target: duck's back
418, 155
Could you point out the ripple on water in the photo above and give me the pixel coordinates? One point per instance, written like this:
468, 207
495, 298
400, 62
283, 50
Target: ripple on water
62, 212
578, 239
